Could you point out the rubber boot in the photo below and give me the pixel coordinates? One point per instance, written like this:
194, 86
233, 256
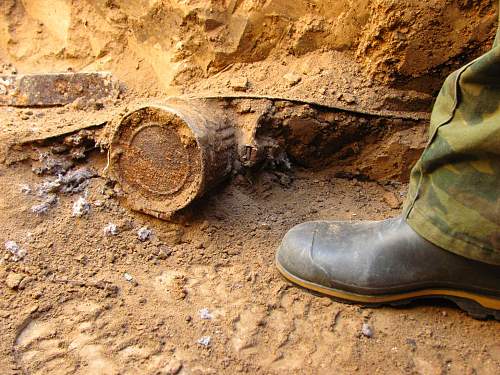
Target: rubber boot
385, 262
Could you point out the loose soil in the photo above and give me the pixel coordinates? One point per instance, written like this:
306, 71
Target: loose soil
76, 310
200, 294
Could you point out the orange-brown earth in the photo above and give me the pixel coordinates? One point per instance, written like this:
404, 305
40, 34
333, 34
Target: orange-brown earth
200, 294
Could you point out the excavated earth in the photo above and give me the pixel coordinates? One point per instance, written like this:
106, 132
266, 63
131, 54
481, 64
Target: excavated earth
331, 101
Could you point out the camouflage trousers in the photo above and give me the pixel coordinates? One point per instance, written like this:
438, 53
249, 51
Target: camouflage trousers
454, 194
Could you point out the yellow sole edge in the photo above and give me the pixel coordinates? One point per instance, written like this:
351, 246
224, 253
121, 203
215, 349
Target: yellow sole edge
485, 301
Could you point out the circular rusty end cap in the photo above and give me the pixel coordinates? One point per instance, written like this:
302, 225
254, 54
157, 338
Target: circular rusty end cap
156, 159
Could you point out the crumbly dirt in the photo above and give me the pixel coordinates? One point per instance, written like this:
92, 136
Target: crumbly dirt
105, 290
90, 302
168, 46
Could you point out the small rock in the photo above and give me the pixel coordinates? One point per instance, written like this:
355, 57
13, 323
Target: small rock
13, 280
205, 314
367, 330
292, 78
204, 341
128, 276
81, 207
173, 367
17, 252
144, 233
164, 252
239, 84
111, 230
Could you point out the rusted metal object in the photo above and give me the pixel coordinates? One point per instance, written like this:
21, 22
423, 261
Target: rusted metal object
166, 156
53, 89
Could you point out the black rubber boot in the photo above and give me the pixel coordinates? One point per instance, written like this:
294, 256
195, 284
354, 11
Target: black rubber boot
385, 262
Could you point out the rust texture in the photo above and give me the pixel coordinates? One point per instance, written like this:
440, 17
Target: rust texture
55, 89
166, 156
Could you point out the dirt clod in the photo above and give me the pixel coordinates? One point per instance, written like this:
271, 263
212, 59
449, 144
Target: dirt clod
172, 368
392, 200
239, 84
13, 280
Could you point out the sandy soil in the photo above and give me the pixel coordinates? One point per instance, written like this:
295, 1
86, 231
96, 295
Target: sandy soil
83, 301
94, 288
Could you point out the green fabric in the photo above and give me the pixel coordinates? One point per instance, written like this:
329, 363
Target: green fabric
454, 194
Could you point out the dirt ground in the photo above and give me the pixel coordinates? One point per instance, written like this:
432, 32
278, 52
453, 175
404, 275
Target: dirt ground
83, 301
91, 287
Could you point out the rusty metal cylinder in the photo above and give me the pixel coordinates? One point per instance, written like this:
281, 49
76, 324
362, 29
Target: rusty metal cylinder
165, 156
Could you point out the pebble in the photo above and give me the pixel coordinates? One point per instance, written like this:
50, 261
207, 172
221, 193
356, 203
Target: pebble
367, 330
128, 276
204, 341
144, 233
111, 229
205, 314
164, 252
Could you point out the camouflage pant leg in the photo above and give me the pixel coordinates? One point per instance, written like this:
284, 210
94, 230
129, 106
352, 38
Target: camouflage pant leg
454, 194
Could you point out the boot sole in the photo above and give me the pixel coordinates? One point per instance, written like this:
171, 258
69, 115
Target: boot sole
478, 306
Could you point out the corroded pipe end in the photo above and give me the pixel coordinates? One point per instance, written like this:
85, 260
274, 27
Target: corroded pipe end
166, 156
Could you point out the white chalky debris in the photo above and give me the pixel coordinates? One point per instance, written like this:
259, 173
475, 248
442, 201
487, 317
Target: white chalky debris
144, 234
204, 341
43, 207
40, 209
111, 229
17, 252
366, 330
205, 314
127, 276
81, 207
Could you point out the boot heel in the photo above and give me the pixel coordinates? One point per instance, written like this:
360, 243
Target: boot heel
474, 309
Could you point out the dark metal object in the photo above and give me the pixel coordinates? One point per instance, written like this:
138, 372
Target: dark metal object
166, 156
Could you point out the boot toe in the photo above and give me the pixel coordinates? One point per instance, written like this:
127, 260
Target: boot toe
295, 254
